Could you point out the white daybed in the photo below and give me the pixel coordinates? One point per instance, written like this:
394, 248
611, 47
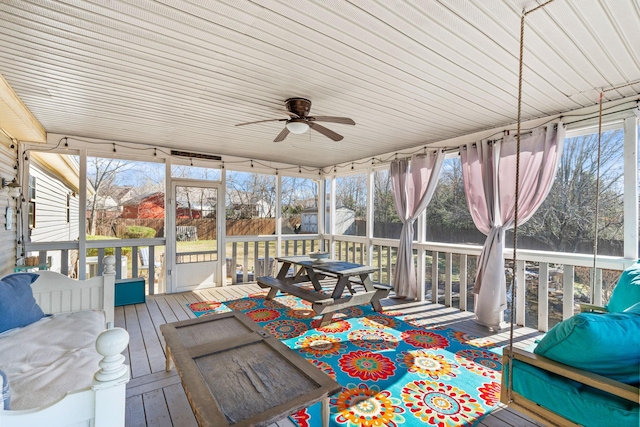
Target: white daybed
56, 358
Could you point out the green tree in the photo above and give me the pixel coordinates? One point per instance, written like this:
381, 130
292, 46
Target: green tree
448, 208
384, 208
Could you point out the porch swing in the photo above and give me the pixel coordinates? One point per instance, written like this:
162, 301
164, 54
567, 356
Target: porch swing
586, 370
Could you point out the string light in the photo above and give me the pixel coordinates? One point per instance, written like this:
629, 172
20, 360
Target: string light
299, 169
276, 171
155, 152
114, 147
251, 163
66, 143
222, 165
351, 165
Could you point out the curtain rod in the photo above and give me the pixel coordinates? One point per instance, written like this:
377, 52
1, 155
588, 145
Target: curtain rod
457, 149
491, 141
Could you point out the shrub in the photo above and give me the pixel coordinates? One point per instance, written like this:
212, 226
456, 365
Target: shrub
138, 232
108, 251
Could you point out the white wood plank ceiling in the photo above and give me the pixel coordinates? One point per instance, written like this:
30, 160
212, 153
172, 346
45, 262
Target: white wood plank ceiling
180, 73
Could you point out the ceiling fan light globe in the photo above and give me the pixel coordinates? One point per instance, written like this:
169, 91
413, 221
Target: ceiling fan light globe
297, 127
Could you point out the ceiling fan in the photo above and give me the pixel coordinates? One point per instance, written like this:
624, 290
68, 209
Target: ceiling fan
300, 122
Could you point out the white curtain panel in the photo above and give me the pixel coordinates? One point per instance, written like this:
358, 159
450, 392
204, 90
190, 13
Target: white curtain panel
413, 184
489, 175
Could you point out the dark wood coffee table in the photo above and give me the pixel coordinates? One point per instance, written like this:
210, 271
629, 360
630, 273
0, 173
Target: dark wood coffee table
235, 374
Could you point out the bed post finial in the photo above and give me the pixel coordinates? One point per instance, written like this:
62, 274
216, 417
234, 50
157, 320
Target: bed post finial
109, 265
110, 344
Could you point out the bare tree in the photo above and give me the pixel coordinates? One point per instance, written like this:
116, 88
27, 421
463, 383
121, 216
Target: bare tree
565, 220
101, 174
351, 192
384, 207
249, 192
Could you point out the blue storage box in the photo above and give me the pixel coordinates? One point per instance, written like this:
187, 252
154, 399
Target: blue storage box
130, 291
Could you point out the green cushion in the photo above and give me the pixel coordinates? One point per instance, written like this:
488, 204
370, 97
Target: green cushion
627, 291
606, 344
572, 400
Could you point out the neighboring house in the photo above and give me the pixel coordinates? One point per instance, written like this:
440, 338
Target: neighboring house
52, 201
152, 206
246, 205
146, 206
108, 202
105, 208
345, 221
182, 212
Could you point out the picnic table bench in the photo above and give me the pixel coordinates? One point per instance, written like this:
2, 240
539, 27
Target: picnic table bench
345, 284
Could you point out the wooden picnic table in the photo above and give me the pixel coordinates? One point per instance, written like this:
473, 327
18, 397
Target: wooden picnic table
354, 278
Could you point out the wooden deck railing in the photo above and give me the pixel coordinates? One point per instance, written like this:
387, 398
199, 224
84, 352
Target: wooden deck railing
550, 285
540, 303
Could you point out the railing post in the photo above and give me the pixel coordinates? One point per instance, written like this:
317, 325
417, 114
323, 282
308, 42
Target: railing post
543, 297
134, 261
521, 294
463, 282
256, 253
434, 276
245, 262
234, 262
152, 270
568, 278
447, 281
100, 265
64, 262
389, 266
597, 288
118, 255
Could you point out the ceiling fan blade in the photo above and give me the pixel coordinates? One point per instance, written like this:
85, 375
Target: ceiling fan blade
282, 135
343, 120
326, 132
262, 121
294, 115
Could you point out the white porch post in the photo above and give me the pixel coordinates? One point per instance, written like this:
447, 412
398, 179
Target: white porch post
631, 188
278, 215
322, 213
82, 220
169, 233
222, 228
332, 217
422, 233
370, 207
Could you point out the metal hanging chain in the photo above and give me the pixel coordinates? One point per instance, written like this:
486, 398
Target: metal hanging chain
517, 195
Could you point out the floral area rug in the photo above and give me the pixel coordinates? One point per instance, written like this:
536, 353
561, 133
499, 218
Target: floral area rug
395, 370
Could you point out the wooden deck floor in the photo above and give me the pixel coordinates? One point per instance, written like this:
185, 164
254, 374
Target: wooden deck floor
156, 397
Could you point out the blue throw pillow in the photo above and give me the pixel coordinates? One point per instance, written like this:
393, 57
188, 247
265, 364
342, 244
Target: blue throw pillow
17, 305
605, 344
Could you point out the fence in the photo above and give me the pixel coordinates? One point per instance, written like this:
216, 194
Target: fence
206, 227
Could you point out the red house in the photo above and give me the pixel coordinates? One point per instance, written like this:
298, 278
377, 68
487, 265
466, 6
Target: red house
152, 206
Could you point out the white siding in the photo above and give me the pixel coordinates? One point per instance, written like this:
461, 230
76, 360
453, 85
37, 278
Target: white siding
7, 237
51, 209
